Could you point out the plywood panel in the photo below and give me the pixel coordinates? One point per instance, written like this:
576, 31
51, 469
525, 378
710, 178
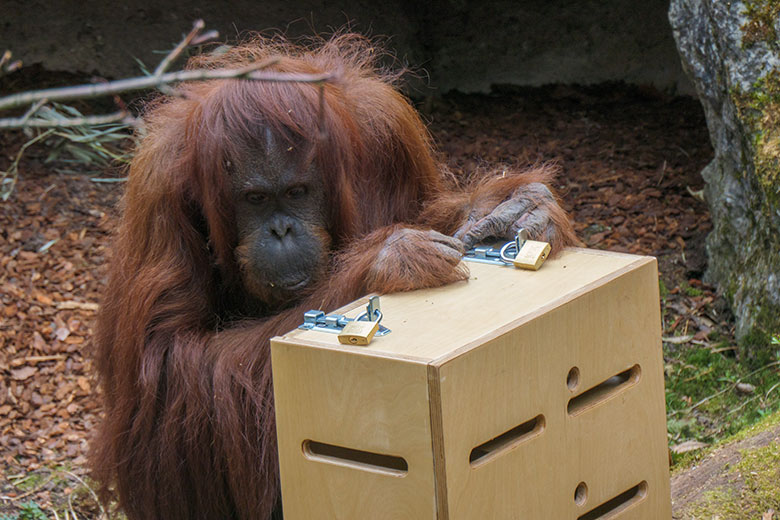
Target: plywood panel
612, 446
423, 322
346, 400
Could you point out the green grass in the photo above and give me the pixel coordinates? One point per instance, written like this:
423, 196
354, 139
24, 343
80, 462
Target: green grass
54, 493
759, 473
703, 401
27, 511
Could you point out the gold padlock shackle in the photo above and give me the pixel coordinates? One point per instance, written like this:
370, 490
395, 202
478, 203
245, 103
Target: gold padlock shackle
377, 313
372, 310
522, 236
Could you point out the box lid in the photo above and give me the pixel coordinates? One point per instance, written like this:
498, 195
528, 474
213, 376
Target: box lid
432, 325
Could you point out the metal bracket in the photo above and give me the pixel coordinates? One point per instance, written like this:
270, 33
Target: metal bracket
335, 323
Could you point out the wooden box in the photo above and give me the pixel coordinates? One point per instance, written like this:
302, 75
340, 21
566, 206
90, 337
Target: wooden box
517, 394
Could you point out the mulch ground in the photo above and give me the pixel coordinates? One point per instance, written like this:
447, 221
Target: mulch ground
630, 160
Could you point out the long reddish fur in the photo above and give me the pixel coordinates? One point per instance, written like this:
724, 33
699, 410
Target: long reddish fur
189, 428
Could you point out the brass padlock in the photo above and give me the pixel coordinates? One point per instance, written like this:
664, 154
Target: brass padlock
531, 255
358, 332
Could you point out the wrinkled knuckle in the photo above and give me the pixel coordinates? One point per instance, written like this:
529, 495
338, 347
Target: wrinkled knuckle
472, 237
533, 191
491, 222
464, 230
543, 190
402, 233
499, 224
399, 236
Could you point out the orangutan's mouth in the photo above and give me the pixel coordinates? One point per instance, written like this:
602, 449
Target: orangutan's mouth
292, 285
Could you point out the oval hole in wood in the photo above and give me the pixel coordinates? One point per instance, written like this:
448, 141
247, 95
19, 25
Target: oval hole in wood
497, 446
573, 379
614, 506
605, 390
581, 494
357, 459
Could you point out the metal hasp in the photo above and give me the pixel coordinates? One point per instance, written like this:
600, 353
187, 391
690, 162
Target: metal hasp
497, 255
335, 323
520, 252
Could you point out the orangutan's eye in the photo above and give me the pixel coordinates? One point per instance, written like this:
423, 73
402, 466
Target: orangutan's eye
296, 192
257, 197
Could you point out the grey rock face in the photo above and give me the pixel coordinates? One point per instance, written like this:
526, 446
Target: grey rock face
737, 77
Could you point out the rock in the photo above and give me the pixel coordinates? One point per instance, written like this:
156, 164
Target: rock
730, 51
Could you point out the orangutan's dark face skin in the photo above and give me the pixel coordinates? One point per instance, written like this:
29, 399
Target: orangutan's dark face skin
281, 219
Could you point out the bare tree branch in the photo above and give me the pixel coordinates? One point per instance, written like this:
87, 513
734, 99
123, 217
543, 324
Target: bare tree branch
149, 82
159, 80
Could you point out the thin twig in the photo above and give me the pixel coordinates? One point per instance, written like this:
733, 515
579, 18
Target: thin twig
8, 66
13, 170
37, 359
21, 122
34, 489
205, 37
176, 52
33, 109
730, 387
91, 491
741, 406
150, 82
766, 396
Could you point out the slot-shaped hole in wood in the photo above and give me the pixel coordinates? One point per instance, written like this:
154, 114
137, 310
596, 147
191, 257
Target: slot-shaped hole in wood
605, 390
357, 459
506, 441
614, 506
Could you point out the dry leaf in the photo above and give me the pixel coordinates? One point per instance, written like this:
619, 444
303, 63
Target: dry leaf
20, 374
687, 446
745, 388
27, 256
38, 342
677, 339
74, 324
83, 383
62, 333
43, 299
